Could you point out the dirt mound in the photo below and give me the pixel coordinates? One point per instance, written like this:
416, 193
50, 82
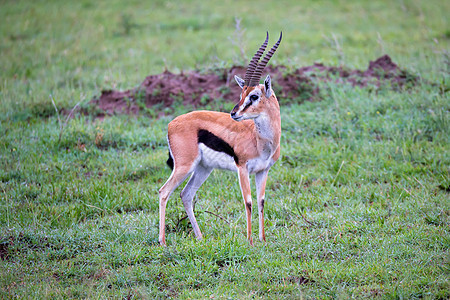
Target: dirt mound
198, 89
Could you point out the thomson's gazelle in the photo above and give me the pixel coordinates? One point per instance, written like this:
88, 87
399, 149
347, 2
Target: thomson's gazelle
246, 141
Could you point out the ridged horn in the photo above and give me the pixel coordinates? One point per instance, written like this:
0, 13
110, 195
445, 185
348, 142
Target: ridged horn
256, 76
254, 62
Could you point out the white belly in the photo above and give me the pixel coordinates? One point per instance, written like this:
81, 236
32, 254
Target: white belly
219, 160
215, 159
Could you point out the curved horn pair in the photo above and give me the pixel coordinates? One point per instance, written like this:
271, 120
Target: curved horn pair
255, 67
254, 62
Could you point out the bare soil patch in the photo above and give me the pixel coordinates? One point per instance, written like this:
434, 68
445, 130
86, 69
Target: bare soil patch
198, 89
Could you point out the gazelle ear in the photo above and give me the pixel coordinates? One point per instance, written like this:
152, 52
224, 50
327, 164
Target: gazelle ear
268, 86
239, 81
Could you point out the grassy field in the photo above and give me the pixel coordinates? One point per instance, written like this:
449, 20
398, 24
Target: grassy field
357, 207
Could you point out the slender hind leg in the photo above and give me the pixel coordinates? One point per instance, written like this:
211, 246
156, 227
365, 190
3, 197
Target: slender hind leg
199, 176
176, 178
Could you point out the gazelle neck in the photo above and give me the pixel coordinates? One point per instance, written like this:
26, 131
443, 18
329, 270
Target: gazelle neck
268, 125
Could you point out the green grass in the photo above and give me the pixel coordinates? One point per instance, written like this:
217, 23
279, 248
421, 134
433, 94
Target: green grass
358, 205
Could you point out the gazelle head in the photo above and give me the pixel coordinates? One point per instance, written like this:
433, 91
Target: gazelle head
254, 95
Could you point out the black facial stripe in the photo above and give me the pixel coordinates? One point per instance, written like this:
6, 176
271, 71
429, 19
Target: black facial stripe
247, 106
216, 143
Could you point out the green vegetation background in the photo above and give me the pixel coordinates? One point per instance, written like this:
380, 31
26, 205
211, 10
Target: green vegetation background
358, 205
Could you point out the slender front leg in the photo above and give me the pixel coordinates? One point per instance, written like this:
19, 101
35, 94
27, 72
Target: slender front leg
260, 180
244, 182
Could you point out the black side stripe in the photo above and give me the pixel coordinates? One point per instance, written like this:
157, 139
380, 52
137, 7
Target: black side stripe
216, 143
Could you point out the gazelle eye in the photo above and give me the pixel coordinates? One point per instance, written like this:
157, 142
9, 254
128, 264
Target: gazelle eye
253, 97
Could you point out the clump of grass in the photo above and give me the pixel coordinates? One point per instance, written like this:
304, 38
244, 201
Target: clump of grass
238, 40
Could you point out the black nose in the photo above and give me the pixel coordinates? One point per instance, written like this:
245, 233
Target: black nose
233, 114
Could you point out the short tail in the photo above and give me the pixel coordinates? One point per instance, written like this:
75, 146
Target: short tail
170, 161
